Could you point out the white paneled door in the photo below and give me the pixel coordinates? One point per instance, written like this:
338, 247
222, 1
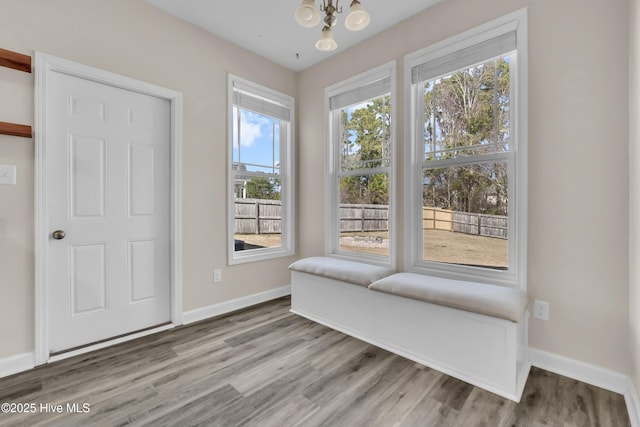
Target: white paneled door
108, 201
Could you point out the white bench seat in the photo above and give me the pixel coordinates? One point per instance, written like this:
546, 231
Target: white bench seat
491, 300
355, 273
474, 332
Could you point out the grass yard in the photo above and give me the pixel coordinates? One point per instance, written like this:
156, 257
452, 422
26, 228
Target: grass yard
449, 247
439, 246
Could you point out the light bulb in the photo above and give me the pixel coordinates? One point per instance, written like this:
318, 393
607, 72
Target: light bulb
358, 18
326, 42
307, 15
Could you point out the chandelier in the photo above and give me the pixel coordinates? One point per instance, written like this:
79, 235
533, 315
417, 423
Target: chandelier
308, 16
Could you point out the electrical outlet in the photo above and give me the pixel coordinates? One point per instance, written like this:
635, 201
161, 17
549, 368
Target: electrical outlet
541, 310
217, 275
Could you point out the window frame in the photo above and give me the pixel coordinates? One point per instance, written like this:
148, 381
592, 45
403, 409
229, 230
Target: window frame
515, 275
286, 169
332, 169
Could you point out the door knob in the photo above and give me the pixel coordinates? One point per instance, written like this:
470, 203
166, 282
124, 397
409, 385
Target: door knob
58, 234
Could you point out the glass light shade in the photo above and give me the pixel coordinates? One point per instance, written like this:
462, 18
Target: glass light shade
326, 42
358, 18
307, 15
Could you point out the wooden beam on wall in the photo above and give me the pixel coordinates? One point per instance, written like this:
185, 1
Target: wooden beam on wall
15, 60
16, 130
18, 62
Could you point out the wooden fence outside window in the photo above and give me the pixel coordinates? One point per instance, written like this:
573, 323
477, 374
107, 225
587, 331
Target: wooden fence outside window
257, 216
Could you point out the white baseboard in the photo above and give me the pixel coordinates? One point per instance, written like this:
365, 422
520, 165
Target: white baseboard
633, 404
581, 371
16, 364
590, 374
233, 305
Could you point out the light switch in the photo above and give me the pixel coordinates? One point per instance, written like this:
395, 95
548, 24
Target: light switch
8, 174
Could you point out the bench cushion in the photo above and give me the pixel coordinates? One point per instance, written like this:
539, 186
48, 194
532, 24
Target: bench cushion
355, 273
491, 300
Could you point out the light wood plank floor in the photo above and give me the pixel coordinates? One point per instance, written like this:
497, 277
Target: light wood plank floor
267, 367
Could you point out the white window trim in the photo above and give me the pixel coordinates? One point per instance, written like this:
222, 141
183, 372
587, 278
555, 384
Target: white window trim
287, 174
332, 243
517, 274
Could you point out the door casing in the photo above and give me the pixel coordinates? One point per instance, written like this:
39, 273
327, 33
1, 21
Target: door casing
44, 65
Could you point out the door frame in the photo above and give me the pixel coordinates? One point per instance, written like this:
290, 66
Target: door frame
45, 64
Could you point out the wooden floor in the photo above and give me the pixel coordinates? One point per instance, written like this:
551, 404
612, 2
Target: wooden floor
267, 367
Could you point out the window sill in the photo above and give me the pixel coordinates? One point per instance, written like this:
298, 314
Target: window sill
255, 255
467, 274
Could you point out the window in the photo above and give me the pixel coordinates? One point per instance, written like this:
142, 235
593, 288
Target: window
467, 165
360, 209
260, 172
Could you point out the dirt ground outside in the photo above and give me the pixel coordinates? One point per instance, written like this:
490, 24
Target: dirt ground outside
460, 248
260, 240
373, 242
439, 246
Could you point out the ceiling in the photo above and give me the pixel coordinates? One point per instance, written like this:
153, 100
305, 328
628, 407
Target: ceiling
269, 29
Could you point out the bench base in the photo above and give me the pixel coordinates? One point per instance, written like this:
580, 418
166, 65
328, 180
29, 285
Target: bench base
482, 350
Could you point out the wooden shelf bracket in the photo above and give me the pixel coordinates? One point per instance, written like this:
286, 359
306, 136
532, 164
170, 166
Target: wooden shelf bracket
20, 62
15, 130
15, 60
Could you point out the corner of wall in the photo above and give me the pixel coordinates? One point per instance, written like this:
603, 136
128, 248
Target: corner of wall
633, 404
631, 397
